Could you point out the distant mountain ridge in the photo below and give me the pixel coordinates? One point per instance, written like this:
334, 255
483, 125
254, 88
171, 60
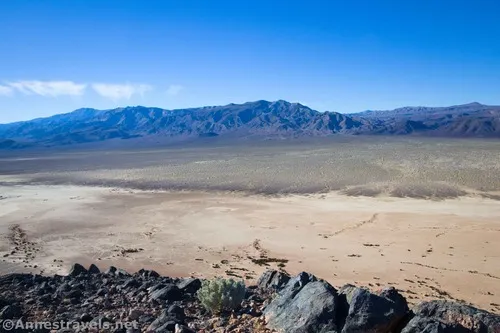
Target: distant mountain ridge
260, 118
467, 120
474, 108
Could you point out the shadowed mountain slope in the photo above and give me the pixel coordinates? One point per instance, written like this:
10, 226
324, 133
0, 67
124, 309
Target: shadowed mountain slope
468, 120
253, 118
260, 118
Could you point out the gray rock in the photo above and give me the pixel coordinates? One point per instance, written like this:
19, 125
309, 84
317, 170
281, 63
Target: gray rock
371, 313
77, 269
62, 289
190, 285
93, 269
164, 323
148, 273
111, 270
10, 312
177, 312
133, 330
273, 279
131, 283
445, 316
429, 325
168, 293
44, 300
156, 287
182, 329
85, 318
168, 327
101, 319
347, 291
305, 305
122, 272
102, 291
291, 289
135, 314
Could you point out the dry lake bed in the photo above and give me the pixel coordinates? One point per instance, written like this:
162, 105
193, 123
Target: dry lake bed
419, 214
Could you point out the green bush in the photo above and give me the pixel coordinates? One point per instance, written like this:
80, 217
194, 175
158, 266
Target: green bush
221, 294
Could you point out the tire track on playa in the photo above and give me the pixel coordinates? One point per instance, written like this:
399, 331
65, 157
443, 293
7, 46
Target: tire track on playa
357, 225
450, 269
352, 227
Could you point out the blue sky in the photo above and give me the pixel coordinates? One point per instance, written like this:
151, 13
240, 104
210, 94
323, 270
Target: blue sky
345, 56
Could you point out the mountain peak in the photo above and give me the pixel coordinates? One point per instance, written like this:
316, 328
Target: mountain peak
259, 118
474, 104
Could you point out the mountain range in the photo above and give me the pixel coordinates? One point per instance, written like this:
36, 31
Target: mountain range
260, 118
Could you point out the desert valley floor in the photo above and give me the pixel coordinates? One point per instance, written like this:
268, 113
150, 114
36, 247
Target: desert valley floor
421, 215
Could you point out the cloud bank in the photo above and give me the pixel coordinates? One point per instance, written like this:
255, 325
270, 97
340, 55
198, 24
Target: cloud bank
49, 88
5, 91
111, 91
120, 91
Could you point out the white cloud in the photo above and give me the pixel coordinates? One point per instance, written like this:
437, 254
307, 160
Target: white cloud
5, 91
174, 89
49, 88
120, 91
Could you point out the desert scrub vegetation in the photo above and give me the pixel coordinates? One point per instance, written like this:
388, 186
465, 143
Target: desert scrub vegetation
356, 166
220, 294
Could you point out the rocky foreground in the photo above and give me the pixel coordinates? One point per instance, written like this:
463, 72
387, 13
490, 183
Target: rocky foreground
278, 303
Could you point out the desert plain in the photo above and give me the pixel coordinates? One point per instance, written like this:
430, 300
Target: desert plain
422, 215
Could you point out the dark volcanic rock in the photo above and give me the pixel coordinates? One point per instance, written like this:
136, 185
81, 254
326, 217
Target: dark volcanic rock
168, 293
77, 269
165, 322
131, 283
273, 279
111, 270
183, 329
445, 316
10, 312
147, 273
429, 325
372, 313
291, 289
177, 312
75, 293
190, 285
162, 304
121, 272
304, 305
93, 269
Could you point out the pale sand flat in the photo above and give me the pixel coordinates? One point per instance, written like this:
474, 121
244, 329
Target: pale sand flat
428, 249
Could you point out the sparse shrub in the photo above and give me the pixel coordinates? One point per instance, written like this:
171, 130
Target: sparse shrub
221, 294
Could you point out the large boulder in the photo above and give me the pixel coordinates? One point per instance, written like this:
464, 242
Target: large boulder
445, 316
272, 279
371, 313
305, 305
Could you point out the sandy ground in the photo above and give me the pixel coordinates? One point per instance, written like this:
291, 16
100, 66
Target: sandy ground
427, 249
